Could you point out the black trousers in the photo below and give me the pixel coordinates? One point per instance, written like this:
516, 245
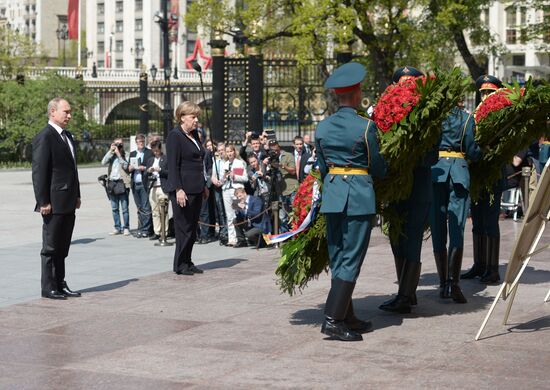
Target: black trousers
249, 234
57, 231
186, 220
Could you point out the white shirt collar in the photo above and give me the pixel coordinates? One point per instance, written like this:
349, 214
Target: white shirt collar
56, 127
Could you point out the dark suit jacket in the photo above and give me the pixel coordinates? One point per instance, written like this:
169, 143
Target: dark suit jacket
147, 154
54, 172
255, 207
303, 162
185, 163
163, 174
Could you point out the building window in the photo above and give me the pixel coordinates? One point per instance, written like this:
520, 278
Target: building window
518, 60
119, 64
139, 5
511, 23
119, 7
101, 8
101, 64
101, 46
119, 26
100, 28
486, 16
190, 47
119, 46
139, 43
546, 20
139, 25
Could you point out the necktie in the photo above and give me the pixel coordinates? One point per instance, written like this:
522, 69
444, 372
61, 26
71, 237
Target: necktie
64, 136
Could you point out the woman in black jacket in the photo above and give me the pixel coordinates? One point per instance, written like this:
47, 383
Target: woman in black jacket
186, 184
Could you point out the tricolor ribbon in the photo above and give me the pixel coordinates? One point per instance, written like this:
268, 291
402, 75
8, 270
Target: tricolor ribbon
306, 223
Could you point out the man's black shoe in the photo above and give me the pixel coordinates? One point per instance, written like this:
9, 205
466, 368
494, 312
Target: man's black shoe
154, 237
186, 271
53, 294
195, 270
66, 291
240, 244
338, 330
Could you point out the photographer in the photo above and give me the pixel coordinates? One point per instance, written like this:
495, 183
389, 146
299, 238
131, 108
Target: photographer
283, 162
252, 140
234, 172
260, 182
118, 185
249, 209
157, 169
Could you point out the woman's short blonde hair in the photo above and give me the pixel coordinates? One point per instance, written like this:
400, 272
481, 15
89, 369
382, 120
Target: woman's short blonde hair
187, 108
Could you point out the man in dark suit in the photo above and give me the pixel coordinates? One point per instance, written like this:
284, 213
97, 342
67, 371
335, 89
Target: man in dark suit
300, 157
57, 193
249, 208
140, 185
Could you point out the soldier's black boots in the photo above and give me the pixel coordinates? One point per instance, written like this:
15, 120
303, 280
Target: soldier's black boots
336, 309
480, 250
491, 274
354, 323
407, 287
442, 265
455, 262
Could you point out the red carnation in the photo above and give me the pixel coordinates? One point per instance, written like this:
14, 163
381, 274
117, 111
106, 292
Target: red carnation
395, 104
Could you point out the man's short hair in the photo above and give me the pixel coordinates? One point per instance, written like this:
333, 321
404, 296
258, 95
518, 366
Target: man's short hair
239, 190
254, 136
140, 137
251, 155
54, 103
156, 144
298, 138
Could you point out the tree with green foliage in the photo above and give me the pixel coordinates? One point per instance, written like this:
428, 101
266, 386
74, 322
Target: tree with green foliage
23, 111
17, 53
385, 34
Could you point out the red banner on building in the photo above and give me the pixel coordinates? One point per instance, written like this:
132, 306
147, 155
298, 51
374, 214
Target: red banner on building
72, 19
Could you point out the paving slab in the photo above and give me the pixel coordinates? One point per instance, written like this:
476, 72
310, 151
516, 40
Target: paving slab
140, 326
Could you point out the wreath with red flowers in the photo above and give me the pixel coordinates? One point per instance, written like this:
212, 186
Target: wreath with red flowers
409, 116
396, 103
302, 201
494, 102
507, 121
305, 256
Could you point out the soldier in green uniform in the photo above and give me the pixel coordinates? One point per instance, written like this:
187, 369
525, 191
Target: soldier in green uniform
485, 214
348, 154
415, 210
451, 187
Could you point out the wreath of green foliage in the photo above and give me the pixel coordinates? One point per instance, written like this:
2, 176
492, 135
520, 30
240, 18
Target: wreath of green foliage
408, 141
304, 256
519, 124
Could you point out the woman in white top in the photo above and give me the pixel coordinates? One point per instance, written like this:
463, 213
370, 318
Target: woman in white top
234, 171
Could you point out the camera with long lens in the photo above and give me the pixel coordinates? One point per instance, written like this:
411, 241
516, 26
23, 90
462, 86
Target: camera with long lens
119, 146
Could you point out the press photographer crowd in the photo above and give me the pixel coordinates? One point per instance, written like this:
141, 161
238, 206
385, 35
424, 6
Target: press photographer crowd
242, 185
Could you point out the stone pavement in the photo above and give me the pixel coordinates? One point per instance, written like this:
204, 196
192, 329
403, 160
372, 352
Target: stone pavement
139, 326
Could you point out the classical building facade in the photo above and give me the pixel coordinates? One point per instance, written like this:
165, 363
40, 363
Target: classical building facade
507, 22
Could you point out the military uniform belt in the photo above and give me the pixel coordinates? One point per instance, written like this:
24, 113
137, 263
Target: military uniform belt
444, 153
348, 171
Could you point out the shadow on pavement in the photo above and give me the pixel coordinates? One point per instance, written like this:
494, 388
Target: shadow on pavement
226, 263
539, 324
85, 241
110, 286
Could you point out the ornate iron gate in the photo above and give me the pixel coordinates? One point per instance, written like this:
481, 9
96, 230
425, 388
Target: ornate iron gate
294, 97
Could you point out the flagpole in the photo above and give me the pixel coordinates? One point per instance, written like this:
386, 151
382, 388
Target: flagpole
79, 44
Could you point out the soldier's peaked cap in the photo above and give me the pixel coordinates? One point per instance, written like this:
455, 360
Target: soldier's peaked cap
488, 82
346, 77
406, 71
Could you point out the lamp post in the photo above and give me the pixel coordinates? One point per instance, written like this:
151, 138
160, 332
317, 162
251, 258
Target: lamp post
162, 19
153, 71
62, 35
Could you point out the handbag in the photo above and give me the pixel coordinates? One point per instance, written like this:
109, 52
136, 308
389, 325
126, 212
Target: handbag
116, 187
